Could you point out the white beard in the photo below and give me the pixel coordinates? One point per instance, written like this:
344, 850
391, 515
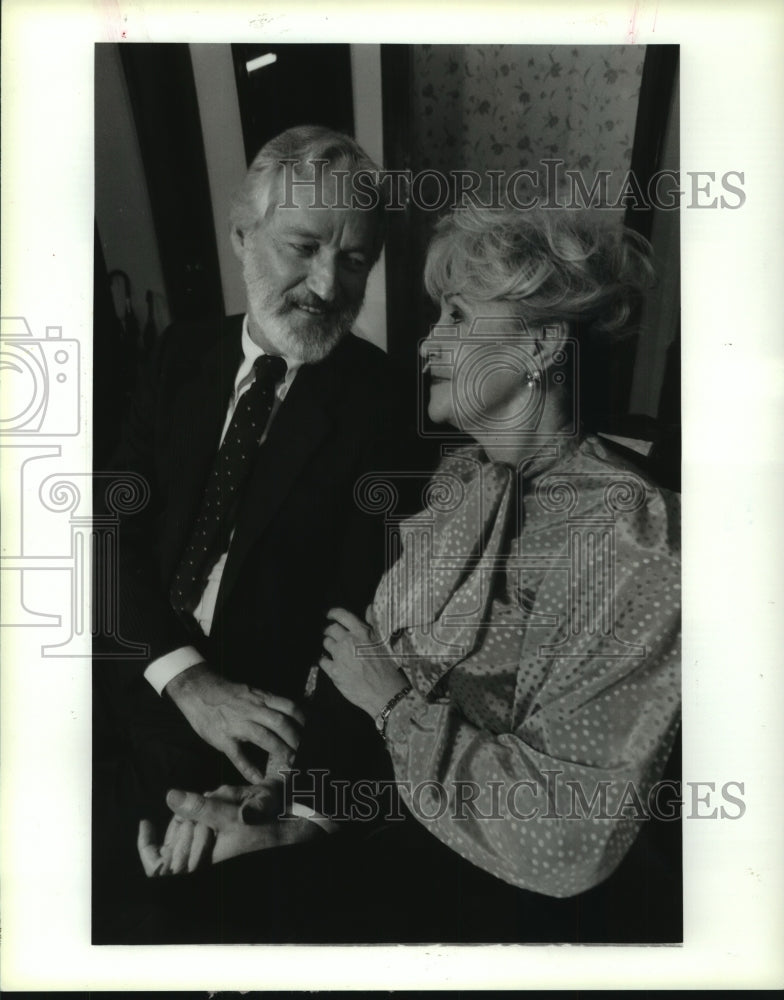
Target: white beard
297, 335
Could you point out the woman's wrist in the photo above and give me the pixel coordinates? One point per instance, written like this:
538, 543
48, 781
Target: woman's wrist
382, 716
386, 692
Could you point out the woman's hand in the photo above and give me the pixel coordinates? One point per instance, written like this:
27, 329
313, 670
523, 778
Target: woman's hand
369, 682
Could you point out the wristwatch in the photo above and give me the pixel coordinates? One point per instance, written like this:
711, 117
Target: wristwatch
383, 715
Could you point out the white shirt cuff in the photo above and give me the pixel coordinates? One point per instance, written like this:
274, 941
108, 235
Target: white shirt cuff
162, 670
305, 812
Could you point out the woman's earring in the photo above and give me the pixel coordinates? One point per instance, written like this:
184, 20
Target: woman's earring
533, 378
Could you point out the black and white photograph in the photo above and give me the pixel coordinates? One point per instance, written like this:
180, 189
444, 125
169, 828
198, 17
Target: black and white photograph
363, 509
358, 658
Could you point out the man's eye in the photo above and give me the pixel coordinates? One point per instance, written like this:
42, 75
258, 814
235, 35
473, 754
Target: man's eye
456, 317
356, 262
305, 249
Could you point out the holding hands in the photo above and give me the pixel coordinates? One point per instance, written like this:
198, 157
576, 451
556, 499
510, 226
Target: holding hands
207, 829
222, 824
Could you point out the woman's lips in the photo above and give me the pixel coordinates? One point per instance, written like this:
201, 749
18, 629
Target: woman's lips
436, 374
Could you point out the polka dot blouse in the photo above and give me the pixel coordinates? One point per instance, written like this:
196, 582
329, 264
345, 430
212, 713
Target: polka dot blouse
536, 613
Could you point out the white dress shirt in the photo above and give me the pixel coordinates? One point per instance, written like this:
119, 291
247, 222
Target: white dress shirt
162, 670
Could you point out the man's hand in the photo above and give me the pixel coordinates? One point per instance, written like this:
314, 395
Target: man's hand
226, 714
370, 682
220, 825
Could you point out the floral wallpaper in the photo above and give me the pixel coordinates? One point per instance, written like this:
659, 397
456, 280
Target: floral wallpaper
509, 106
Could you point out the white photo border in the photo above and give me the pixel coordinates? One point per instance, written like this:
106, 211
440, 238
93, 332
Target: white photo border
731, 79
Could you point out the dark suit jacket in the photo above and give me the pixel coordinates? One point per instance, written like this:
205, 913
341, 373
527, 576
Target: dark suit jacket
301, 543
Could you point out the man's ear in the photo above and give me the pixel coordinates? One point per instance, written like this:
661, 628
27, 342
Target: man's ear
238, 238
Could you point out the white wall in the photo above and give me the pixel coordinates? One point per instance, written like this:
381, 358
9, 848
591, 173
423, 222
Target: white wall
216, 91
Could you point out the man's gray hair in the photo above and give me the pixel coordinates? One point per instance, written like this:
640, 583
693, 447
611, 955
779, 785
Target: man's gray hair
301, 145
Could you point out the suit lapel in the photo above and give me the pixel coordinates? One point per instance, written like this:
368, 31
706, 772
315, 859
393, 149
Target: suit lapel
301, 424
197, 417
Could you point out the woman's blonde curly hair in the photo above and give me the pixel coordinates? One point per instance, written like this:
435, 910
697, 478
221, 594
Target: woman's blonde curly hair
558, 264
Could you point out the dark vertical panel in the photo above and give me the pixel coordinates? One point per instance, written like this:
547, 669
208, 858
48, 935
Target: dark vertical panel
653, 111
305, 85
401, 264
409, 311
166, 114
113, 363
608, 368
657, 91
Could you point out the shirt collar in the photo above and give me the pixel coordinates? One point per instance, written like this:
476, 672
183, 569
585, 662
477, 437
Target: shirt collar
251, 351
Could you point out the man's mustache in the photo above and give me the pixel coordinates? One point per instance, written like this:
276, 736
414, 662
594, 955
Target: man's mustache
313, 302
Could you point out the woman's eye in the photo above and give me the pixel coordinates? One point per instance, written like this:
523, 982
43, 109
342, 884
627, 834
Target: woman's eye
456, 317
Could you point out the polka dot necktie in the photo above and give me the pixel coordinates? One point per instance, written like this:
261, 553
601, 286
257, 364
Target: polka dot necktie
233, 463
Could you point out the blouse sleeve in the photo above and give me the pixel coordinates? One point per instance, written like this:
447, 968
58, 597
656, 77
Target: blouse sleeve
554, 804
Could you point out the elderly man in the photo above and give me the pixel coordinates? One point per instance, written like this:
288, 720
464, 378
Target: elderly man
251, 434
